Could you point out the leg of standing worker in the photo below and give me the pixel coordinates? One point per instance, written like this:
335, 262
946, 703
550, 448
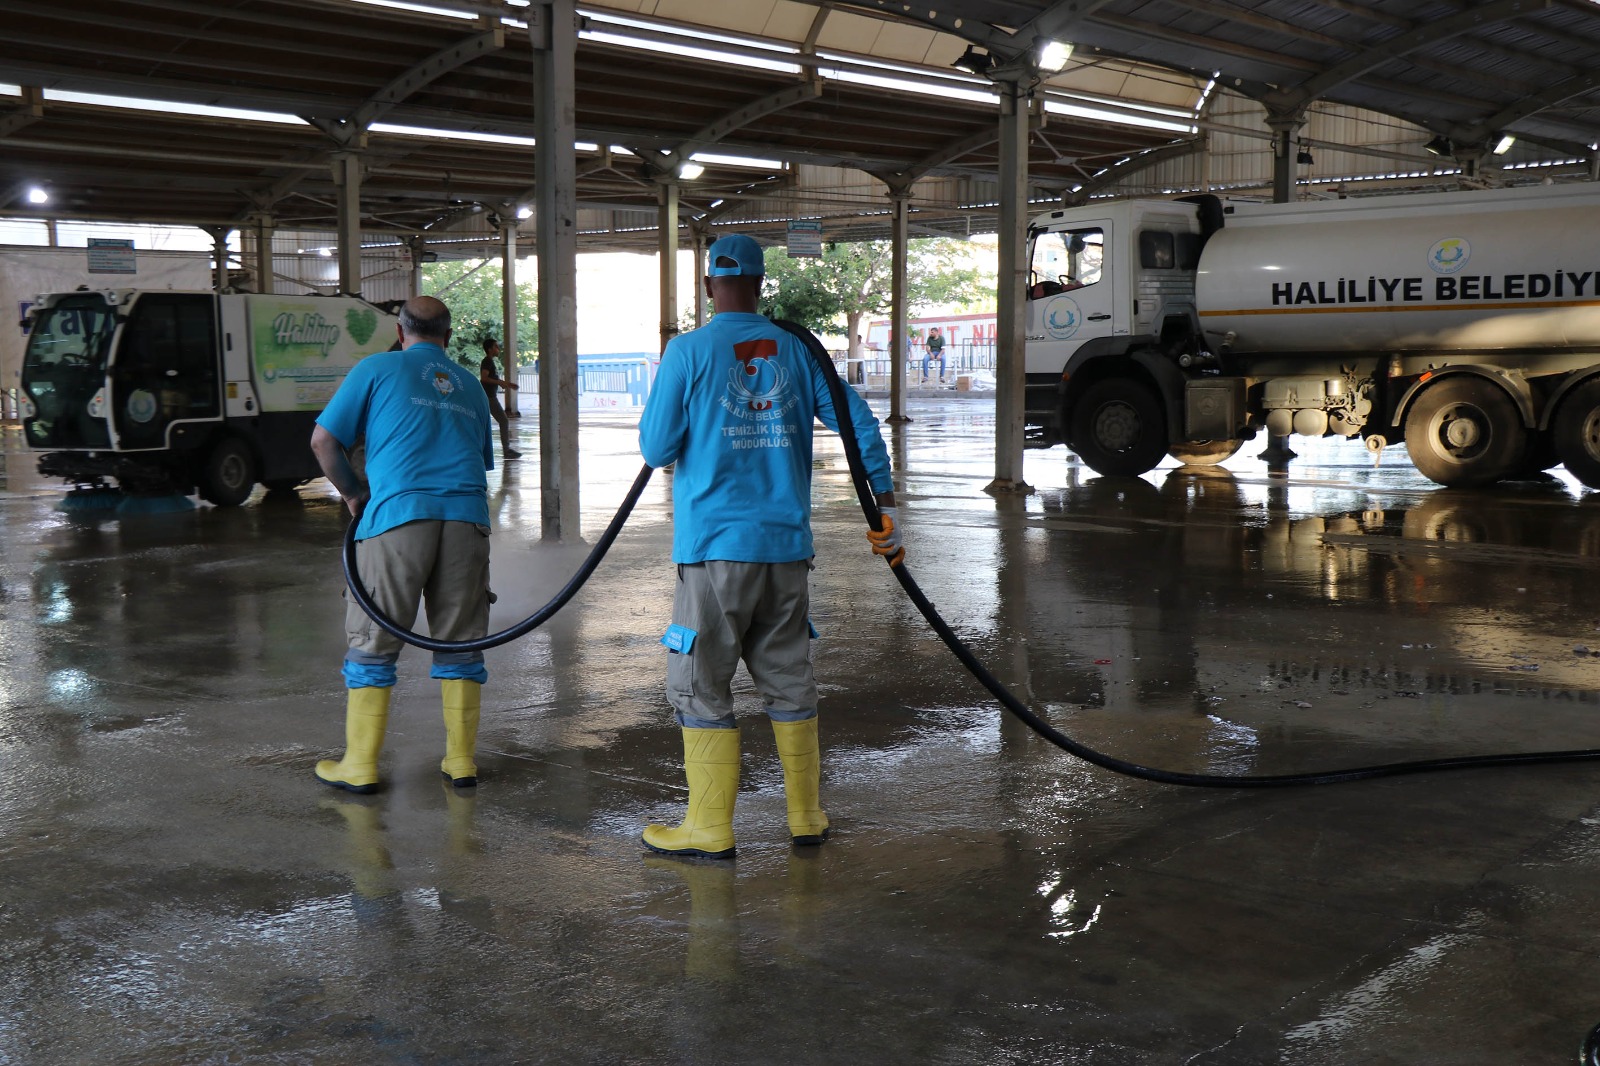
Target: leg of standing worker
393, 568
710, 611
778, 655
498, 411
458, 597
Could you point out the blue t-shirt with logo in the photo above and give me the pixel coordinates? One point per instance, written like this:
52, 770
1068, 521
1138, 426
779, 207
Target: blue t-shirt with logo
426, 424
733, 405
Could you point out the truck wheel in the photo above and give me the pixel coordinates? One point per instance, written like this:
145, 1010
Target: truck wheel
1119, 428
1204, 452
1541, 455
229, 474
1577, 433
1465, 432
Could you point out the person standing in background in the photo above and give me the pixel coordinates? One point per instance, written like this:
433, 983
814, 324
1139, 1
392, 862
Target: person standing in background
489, 376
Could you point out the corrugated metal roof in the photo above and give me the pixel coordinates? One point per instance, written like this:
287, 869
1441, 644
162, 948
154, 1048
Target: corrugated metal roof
1465, 71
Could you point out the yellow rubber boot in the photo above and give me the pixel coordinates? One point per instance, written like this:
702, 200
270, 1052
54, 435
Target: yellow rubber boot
365, 719
461, 703
802, 772
711, 763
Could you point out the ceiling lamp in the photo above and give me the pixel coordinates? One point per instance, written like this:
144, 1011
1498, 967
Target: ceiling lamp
974, 61
690, 170
1440, 145
1053, 55
1503, 145
37, 195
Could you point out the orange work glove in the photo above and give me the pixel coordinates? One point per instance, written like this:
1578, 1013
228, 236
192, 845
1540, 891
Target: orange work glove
886, 542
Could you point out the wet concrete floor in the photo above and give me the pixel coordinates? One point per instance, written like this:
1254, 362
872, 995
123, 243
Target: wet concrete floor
175, 887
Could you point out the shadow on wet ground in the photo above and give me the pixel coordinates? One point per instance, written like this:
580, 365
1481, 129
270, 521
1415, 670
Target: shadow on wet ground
178, 888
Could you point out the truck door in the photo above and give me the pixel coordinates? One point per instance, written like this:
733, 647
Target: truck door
165, 368
1071, 293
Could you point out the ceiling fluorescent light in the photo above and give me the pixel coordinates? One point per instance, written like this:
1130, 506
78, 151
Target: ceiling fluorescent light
690, 170
1503, 145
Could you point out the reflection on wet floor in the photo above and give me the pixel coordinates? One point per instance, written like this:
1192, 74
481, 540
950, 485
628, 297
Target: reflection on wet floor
178, 888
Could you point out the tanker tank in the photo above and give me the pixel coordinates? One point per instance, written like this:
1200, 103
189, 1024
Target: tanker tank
1477, 271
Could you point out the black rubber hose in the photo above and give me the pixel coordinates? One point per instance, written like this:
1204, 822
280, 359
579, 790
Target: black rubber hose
538, 618
869, 507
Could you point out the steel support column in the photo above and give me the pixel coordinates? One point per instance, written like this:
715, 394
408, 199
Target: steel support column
509, 342
667, 255
419, 249
1010, 320
219, 256
899, 302
1284, 155
700, 233
347, 176
556, 213
261, 226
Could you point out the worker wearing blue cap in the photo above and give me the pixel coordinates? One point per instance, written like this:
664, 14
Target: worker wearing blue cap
733, 406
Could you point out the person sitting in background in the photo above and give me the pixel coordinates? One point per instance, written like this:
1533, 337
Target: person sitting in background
933, 350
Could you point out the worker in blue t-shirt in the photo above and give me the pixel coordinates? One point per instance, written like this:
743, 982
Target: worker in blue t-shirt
733, 406
422, 527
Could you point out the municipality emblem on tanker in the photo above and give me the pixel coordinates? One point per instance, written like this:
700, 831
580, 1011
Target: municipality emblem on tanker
1062, 317
1449, 255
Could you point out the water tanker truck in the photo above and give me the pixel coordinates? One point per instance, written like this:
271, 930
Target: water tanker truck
1465, 325
187, 391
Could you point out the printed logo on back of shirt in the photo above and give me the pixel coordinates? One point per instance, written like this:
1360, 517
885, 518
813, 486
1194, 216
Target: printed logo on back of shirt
758, 395
758, 381
440, 379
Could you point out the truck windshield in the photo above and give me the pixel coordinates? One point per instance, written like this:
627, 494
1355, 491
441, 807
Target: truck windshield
1064, 260
65, 365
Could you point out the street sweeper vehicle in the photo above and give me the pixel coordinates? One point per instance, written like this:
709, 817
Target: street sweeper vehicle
187, 391
1464, 324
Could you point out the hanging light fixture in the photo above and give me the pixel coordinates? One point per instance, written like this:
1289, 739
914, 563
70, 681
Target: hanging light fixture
1440, 145
974, 61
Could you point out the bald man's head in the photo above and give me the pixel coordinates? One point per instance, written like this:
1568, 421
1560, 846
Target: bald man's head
424, 318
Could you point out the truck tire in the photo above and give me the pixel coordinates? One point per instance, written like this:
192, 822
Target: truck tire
1119, 427
229, 474
1577, 433
1204, 452
1465, 432
1541, 455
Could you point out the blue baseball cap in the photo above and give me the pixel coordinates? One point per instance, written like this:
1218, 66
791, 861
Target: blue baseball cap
746, 254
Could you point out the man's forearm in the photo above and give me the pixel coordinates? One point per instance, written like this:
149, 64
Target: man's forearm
335, 464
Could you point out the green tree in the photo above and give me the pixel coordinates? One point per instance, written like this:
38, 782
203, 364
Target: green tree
472, 289
851, 281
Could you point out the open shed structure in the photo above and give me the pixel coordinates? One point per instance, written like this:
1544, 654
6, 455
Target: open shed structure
461, 127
